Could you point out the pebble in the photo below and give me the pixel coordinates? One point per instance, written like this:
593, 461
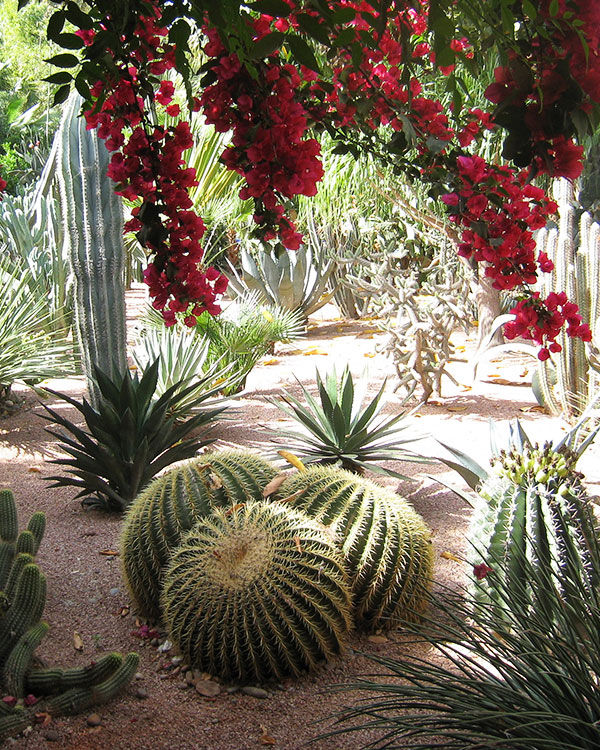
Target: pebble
138, 676
165, 646
51, 735
176, 660
232, 689
141, 693
93, 720
115, 591
255, 692
207, 688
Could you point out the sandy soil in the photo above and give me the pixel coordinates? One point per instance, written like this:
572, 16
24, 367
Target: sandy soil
87, 597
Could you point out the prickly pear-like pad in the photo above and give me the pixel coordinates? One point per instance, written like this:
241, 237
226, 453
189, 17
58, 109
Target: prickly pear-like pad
256, 592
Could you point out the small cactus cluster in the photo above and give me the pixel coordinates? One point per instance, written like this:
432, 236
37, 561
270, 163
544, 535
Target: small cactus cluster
531, 511
252, 588
22, 601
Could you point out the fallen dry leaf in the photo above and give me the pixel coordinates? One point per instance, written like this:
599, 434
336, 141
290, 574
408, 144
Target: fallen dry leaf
265, 738
34, 470
77, 642
536, 408
458, 407
109, 552
43, 718
270, 362
369, 354
292, 459
298, 544
233, 508
450, 556
275, 483
310, 352
378, 639
124, 611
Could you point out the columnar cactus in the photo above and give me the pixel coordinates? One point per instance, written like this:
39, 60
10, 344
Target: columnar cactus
257, 591
568, 382
22, 600
172, 504
533, 502
93, 230
386, 544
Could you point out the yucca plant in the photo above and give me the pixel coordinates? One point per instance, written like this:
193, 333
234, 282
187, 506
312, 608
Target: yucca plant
27, 352
130, 437
245, 332
338, 430
184, 359
509, 676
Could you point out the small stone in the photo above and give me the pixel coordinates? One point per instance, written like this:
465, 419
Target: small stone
165, 646
93, 720
8, 403
138, 676
255, 692
378, 639
189, 677
115, 591
207, 688
176, 660
51, 735
232, 689
141, 693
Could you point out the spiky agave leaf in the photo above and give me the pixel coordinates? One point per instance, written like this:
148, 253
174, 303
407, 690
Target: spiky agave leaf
386, 544
256, 592
172, 504
129, 437
339, 430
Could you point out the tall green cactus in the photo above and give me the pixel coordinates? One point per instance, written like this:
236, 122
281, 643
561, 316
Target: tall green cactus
93, 229
385, 542
567, 383
172, 504
256, 592
531, 510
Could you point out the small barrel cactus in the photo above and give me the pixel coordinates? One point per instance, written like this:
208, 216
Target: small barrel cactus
532, 510
385, 542
255, 592
172, 504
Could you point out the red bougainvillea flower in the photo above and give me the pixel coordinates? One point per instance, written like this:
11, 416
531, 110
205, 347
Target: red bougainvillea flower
481, 571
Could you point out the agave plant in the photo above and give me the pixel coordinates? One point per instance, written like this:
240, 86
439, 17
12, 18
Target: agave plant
184, 359
130, 437
511, 676
339, 431
27, 352
292, 280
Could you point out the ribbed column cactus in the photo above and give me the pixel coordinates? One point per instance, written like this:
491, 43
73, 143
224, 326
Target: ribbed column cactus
385, 542
256, 592
568, 382
93, 229
172, 504
531, 511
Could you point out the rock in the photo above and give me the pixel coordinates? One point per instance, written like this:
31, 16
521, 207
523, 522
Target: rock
94, 720
138, 676
378, 639
233, 689
51, 735
115, 591
208, 688
254, 691
165, 646
141, 693
189, 677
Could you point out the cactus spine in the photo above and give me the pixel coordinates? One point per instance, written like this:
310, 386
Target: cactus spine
385, 543
568, 381
93, 229
256, 591
172, 504
532, 510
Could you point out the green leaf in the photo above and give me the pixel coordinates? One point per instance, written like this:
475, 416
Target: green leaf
345, 37
82, 86
61, 77
302, 53
56, 23
529, 9
343, 15
61, 95
276, 8
267, 45
553, 9
313, 28
69, 41
78, 17
63, 60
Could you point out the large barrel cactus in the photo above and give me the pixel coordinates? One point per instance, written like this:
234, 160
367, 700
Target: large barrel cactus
386, 544
172, 504
255, 592
531, 511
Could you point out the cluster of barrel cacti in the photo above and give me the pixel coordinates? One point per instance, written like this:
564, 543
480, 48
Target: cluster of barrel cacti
22, 601
256, 577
